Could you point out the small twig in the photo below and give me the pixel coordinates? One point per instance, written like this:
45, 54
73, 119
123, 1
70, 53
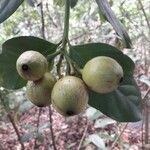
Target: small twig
146, 124
142, 138
58, 65
49, 16
51, 128
73, 63
144, 13
13, 123
16, 130
115, 141
144, 113
144, 100
42, 21
83, 136
1, 148
53, 55
146, 94
37, 127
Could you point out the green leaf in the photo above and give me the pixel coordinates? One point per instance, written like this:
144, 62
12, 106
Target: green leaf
8, 7
73, 3
106, 10
12, 49
83, 53
122, 104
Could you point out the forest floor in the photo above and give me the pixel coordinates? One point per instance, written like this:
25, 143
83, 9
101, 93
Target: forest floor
68, 133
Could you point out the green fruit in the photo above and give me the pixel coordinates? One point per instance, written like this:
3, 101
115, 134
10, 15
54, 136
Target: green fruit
69, 96
102, 74
31, 65
39, 92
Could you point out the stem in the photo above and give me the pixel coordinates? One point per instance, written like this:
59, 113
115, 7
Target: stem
65, 35
58, 66
83, 136
147, 118
49, 16
11, 119
73, 64
144, 106
144, 13
144, 100
16, 130
1, 148
42, 20
51, 56
142, 128
146, 124
51, 128
37, 127
117, 138
66, 23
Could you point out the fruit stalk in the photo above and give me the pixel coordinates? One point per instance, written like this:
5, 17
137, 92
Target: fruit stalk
53, 55
66, 24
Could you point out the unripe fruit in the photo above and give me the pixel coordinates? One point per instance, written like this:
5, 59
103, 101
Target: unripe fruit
102, 74
39, 92
69, 96
31, 65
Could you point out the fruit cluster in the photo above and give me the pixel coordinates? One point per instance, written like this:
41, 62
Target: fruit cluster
69, 95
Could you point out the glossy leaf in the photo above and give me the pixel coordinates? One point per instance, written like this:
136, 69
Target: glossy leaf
8, 7
106, 10
122, 104
12, 49
88, 51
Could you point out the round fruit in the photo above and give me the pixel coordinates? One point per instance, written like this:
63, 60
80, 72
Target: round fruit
39, 92
31, 65
102, 74
69, 96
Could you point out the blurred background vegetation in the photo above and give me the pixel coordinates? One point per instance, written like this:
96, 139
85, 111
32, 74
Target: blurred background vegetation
87, 24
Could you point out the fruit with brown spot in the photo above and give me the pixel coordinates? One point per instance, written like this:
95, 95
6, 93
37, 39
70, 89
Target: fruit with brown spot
31, 65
